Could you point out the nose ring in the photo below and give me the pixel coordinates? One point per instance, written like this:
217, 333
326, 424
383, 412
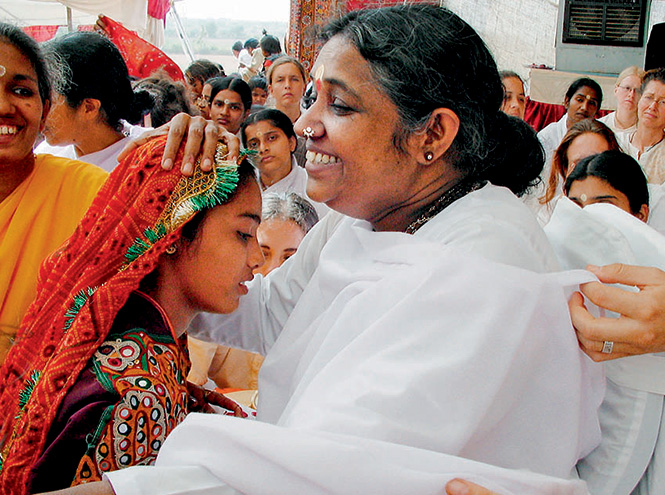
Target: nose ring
308, 132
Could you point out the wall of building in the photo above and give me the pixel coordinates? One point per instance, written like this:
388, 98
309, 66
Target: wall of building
522, 32
519, 32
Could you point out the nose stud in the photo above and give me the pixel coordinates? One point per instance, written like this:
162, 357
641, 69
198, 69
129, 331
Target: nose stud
308, 132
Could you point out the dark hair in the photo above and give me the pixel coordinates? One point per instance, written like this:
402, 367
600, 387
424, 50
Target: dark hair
619, 170
251, 43
237, 46
585, 82
170, 97
285, 59
191, 229
276, 117
507, 74
289, 206
201, 70
653, 75
95, 69
29, 48
425, 57
270, 44
257, 82
560, 159
234, 84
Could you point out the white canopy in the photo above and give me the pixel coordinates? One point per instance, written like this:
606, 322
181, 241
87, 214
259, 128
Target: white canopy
133, 14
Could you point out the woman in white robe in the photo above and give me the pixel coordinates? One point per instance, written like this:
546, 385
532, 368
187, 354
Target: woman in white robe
403, 349
611, 228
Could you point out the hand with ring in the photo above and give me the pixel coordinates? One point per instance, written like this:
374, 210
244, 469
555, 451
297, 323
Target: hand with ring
640, 328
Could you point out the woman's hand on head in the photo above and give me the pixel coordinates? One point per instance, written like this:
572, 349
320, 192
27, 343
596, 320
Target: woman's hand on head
201, 136
640, 328
202, 400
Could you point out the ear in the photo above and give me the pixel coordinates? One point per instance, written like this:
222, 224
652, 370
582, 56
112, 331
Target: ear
269, 89
643, 214
46, 108
437, 137
293, 143
89, 109
566, 102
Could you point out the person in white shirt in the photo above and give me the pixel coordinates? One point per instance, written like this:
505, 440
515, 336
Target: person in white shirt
269, 133
94, 109
647, 143
396, 358
627, 92
582, 101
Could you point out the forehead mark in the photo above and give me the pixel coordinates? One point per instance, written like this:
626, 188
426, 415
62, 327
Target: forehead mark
318, 76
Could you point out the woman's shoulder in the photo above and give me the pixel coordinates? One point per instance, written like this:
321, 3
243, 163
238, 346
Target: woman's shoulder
69, 172
493, 223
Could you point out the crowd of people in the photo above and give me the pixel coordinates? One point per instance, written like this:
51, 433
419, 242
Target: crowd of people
417, 288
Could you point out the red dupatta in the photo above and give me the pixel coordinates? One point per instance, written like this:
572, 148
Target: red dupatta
137, 213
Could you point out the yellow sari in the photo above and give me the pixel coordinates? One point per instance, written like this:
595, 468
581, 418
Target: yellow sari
34, 220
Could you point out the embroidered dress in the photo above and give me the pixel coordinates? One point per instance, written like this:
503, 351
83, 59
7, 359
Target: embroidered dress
125, 402
83, 286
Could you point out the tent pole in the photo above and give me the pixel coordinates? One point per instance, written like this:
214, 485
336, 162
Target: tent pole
184, 41
70, 21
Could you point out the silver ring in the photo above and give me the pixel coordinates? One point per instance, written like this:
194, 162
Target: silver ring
607, 347
308, 132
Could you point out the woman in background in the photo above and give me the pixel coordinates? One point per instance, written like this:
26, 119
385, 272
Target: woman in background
514, 97
94, 107
627, 93
230, 102
610, 177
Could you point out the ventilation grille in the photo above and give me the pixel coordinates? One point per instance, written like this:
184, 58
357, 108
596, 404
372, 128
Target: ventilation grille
604, 22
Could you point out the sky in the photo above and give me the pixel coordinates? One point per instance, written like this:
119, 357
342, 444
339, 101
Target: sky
258, 10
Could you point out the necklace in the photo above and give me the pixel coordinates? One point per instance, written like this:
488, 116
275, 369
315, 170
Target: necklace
450, 196
646, 148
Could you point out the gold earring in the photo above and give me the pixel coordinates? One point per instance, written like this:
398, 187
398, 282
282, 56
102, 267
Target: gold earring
171, 249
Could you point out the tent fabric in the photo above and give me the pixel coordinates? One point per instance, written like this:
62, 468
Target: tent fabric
41, 33
141, 57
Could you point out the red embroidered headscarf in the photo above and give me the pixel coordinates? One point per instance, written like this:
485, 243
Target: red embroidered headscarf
136, 215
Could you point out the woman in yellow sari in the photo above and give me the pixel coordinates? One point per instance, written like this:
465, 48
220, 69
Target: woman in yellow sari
42, 197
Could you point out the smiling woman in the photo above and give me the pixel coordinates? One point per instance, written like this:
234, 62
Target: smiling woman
42, 198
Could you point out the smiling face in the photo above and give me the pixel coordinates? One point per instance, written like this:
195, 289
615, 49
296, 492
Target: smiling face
279, 240
582, 105
651, 107
209, 274
227, 110
584, 145
21, 108
592, 190
352, 163
274, 147
287, 86
514, 100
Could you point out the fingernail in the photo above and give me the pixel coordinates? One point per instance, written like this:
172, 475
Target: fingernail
457, 487
168, 164
187, 168
207, 164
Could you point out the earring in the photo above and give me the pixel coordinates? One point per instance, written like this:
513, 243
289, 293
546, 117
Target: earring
3, 71
308, 132
429, 156
171, 249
